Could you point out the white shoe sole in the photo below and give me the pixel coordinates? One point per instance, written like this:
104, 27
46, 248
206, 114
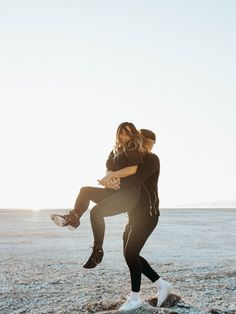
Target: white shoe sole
163, 298
58, 220
71, 228
126, 310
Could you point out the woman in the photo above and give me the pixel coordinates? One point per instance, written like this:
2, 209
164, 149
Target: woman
128, 153
142, 221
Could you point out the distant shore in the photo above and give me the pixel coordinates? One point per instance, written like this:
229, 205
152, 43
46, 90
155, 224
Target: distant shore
161, 208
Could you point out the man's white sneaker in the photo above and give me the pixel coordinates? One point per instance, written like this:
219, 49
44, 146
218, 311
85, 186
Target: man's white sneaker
130, 305
163, 293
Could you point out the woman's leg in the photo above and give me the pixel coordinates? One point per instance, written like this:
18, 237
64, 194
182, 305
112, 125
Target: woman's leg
119, 202
88, 194
134, 239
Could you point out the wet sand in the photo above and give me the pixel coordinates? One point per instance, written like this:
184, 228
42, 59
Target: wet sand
41, 264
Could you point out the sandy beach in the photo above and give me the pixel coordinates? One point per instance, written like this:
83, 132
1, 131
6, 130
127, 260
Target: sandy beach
41, 264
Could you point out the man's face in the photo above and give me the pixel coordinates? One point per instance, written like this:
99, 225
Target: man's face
149, 146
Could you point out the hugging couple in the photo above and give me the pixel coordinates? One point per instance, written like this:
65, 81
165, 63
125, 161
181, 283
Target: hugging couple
130, 185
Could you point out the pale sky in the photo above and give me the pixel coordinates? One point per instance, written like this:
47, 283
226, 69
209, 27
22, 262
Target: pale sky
71, 71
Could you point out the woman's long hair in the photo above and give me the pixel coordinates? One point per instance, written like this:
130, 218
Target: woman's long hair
135, 142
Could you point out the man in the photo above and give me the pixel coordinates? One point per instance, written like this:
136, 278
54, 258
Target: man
142, 221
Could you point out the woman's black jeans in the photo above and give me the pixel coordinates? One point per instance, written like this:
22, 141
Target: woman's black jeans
109, 203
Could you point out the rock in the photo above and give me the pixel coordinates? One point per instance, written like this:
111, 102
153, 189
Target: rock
215, 311
171, 300
232, 308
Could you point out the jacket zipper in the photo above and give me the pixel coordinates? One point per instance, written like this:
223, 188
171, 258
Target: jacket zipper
150, 201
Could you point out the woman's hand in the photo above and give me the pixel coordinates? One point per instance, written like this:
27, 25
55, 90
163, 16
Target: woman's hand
110, 183
108, 177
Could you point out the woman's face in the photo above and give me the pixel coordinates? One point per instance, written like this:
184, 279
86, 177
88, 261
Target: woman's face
123, 137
